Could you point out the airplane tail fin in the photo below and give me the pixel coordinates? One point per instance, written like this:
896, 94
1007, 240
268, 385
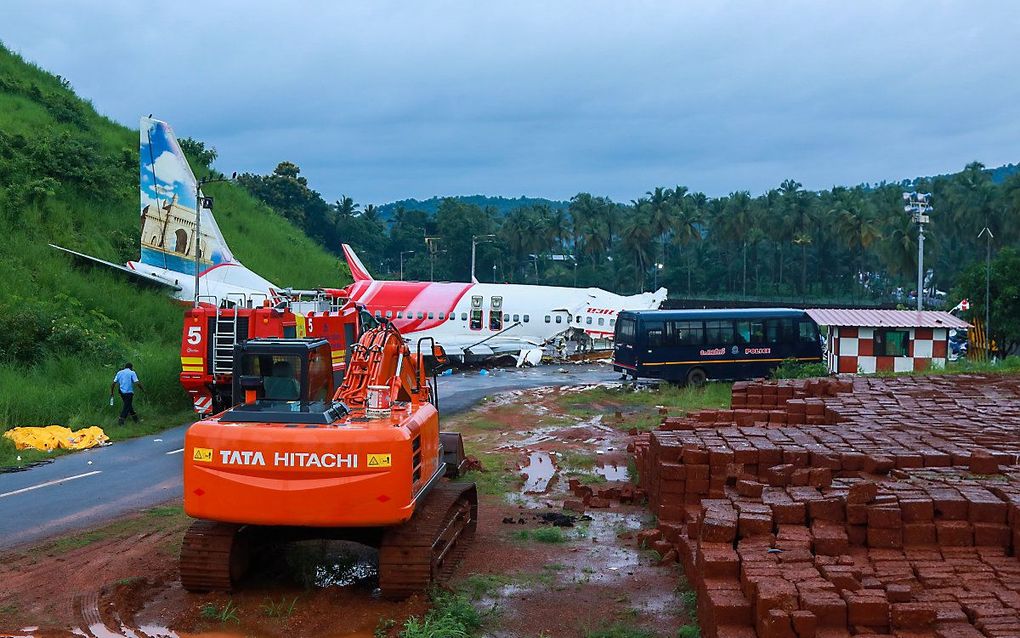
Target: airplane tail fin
358, 270
170, 201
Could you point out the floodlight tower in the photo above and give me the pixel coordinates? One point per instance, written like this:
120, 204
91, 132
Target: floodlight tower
919, 205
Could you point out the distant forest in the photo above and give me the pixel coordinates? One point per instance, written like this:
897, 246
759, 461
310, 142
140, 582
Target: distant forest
845, 243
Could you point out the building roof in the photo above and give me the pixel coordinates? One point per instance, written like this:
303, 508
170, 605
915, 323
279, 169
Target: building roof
870, 318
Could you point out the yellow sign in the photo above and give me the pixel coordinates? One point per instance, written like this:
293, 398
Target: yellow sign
203, 454
380, 460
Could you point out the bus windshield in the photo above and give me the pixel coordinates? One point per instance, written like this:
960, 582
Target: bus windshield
626, 329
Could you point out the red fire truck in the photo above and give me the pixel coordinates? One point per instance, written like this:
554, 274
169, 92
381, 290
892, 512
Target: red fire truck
215, 326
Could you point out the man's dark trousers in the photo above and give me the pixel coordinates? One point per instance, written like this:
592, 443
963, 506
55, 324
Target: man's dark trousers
129, 408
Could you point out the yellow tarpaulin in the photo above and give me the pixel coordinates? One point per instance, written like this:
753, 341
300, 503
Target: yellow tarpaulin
52, 437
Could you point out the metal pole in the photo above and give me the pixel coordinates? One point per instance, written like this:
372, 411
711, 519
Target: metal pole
198, 232
988, 284
920, 265
472, 260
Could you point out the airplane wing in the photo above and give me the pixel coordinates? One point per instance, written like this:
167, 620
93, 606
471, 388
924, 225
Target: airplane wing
139, 277
459, 346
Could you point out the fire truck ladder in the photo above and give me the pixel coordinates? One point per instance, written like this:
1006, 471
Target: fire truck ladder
224, 338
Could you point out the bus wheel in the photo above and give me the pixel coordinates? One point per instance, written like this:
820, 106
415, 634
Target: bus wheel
696, 377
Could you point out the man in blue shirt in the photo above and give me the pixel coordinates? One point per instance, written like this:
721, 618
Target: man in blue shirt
125, 381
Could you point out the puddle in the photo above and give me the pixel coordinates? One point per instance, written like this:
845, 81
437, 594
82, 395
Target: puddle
613, 472
326, 563
538, 473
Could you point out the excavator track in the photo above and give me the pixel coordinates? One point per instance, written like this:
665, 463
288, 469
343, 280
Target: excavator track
214, 556
425, 549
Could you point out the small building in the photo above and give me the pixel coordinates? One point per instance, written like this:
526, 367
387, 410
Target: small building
885, 340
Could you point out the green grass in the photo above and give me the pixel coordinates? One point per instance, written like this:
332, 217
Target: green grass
619, 630
451, 616
478, 586
1009, 365
164, 516
495, 478
678, 399
688, 631
279, 609
550, 535
224, 614
69, 176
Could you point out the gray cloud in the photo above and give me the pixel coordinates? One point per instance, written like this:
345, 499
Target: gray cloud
387, 100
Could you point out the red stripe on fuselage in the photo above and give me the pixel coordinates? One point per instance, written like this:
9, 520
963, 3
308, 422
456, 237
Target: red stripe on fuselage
410, 297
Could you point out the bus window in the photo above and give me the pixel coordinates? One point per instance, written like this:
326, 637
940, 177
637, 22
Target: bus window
687, 333
718, 332
807, 332
751, 331
627, 330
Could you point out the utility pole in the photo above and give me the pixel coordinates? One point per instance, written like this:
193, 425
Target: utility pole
200, 203
431, 243
474, 242
402, 253
988, 281
919, 205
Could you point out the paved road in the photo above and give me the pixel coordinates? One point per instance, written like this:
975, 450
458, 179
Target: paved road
83, 489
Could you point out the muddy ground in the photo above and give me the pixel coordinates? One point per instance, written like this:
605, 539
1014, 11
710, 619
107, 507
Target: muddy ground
526, 577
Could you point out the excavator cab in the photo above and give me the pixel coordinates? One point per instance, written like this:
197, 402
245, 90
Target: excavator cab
284, 381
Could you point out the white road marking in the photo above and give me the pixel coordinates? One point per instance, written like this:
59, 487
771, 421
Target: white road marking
48, 483
175, 451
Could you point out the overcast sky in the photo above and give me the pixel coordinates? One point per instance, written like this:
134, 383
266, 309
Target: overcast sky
387, 100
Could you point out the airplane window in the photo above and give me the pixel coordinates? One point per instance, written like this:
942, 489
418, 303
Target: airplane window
400, 314
589, 321
389, 314
432, 315
559, 319
602, 321
442, 316
579, 319
506, 317
526, 317
421, 315
378, 314
612, 322
463, 316
517, 317
548, 319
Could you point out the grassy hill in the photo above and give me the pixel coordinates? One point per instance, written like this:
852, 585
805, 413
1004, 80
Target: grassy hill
70, 176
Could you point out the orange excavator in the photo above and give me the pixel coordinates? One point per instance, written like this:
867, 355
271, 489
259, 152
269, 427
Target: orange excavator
296, 459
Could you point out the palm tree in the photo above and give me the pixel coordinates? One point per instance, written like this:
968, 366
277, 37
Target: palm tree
635, 237
345, 207
661, 215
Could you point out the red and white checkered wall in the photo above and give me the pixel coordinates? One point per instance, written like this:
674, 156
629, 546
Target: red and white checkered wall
852, 349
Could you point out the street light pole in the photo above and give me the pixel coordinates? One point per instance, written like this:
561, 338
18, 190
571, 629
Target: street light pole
431, 243
405, 252
198, 222
919, 205
475, 242
988, 280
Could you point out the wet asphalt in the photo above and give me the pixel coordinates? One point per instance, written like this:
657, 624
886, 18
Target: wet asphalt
84, 489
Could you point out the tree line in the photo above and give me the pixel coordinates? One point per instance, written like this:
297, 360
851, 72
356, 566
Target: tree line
852, 243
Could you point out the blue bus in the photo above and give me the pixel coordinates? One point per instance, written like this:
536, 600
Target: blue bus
691, 346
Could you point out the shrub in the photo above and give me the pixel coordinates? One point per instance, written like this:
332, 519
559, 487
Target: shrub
793, 369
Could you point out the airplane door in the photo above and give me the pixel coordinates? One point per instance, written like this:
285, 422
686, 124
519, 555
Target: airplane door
496, 313
476, 313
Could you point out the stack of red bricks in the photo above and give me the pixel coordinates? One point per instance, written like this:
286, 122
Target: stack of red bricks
875, 507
